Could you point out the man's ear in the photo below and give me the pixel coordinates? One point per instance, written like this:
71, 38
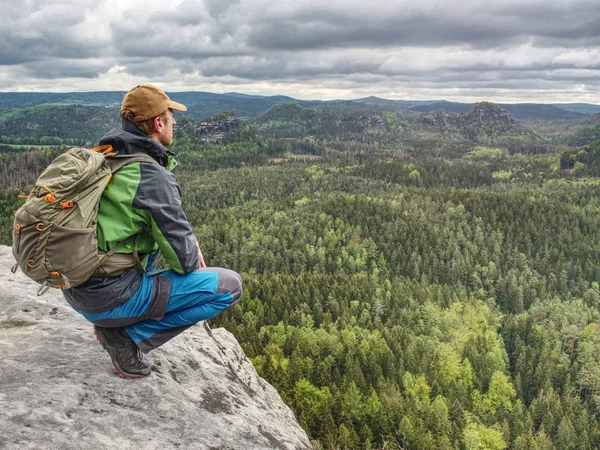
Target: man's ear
158, 125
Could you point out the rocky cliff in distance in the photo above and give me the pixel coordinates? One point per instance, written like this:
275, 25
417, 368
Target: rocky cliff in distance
438, 119
213, 129
484, 123
480, 114
58, 390
484, 112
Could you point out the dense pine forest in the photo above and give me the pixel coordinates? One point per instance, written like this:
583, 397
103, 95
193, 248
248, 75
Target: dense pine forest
410, 281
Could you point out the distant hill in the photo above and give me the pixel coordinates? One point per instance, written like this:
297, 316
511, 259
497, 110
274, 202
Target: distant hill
403, 103
200, 104
583, 108
593, 120
452, 107
517, 111
346, 120
488, 121
540, 111
484, 123
205, 104
99, 98
72, 124
588, 132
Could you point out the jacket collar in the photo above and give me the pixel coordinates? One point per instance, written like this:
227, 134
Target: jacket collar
130, 139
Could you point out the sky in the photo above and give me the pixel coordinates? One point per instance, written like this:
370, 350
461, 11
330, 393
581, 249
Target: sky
506, 51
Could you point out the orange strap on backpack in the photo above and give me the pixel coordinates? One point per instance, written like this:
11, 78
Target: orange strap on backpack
105, 149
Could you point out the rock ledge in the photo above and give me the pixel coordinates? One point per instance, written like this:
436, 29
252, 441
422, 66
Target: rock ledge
58, 390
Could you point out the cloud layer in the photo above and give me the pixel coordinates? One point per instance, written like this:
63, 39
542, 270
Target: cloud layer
503, 50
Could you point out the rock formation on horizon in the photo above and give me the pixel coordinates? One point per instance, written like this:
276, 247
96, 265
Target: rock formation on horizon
484, 123
58, 389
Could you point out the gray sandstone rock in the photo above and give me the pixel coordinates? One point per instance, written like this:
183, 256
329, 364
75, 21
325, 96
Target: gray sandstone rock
213, 132
58, 389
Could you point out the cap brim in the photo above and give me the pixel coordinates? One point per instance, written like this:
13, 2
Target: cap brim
177, 106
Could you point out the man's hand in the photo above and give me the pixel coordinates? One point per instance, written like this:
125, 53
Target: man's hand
202, 263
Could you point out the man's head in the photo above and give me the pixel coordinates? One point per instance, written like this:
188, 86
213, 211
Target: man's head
151, 110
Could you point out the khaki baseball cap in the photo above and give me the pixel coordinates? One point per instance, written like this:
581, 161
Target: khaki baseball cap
148, 101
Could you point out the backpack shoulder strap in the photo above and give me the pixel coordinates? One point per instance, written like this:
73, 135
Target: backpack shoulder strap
118, 161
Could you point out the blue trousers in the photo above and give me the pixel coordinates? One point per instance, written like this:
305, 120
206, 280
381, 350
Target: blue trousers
194, 297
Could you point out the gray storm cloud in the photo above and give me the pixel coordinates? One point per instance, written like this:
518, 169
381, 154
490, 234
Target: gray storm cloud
430, 45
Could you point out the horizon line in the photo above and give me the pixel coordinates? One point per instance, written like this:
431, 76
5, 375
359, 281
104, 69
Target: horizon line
305, 100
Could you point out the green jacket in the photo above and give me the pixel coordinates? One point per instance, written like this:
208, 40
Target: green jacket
143, 200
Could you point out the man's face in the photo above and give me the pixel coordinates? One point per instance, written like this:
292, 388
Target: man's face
165, 136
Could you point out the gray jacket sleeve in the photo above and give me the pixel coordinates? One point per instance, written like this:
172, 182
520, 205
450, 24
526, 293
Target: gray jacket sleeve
160, 195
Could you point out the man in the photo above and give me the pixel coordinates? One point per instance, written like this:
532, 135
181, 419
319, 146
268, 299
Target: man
135, 310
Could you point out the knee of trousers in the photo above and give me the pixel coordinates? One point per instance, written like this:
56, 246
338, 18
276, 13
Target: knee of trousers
230, 282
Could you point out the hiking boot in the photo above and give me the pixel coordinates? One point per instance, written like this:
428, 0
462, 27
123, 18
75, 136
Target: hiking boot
125, 354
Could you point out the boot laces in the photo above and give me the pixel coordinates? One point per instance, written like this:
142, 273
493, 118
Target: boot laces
130, 356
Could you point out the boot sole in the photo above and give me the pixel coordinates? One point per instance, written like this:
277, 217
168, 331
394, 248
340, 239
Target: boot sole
116, 367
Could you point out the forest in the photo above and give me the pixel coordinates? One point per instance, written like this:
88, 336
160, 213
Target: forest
405, 287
